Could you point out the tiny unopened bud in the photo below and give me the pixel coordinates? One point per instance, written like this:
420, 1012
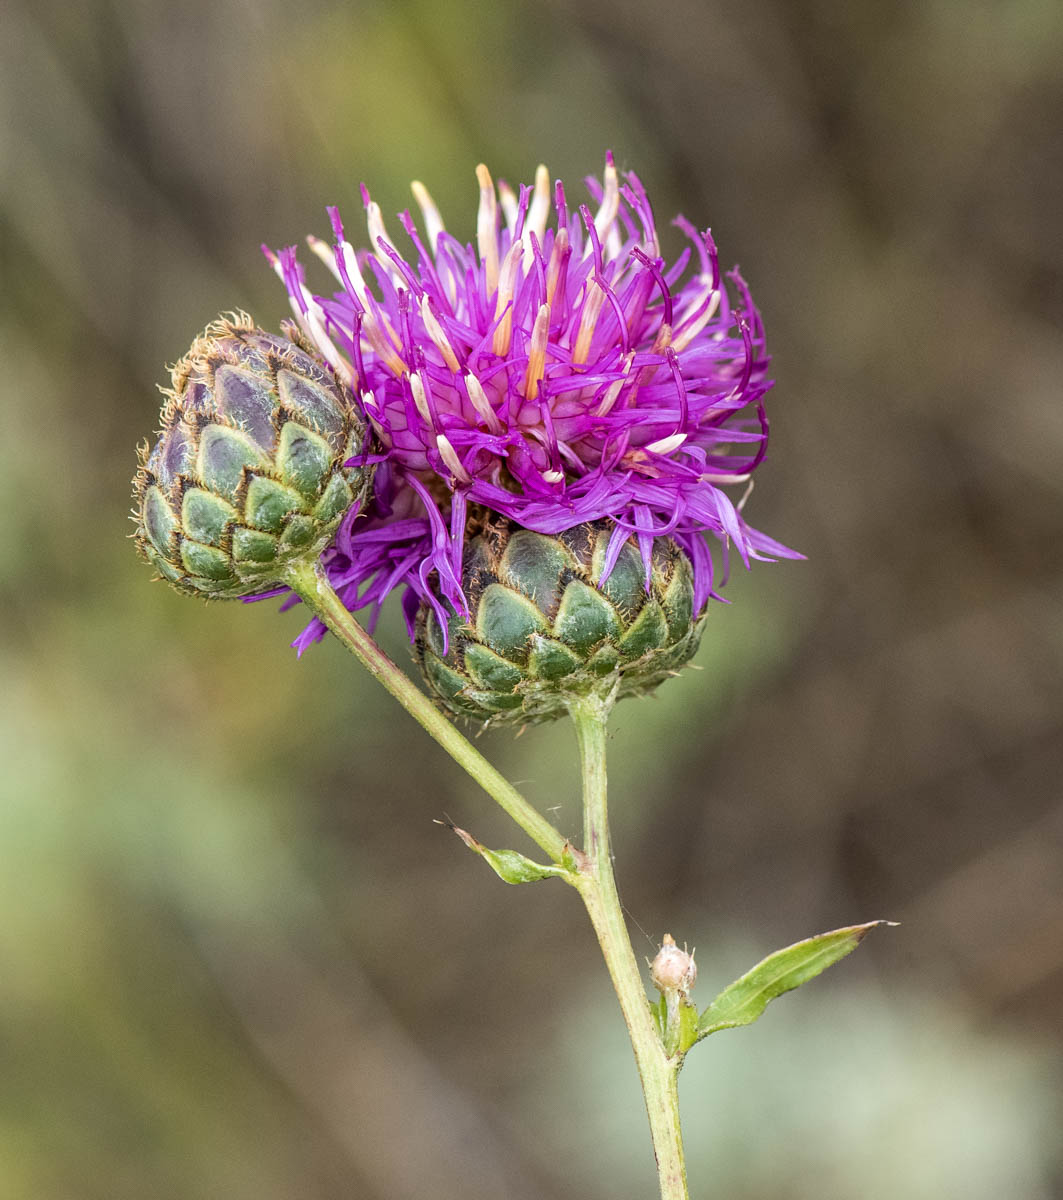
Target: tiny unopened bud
673, 970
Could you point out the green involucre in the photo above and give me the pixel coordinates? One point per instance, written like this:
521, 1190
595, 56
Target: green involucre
247, 474
544, 630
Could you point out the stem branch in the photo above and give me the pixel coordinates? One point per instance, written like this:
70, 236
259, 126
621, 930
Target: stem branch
657, 1071
311, 585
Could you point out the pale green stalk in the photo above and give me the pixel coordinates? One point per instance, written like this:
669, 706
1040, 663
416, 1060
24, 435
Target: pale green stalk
593, 879
310, 584
596, 884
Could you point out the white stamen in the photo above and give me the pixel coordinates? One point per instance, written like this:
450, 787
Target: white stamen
433, 221
553, 476
486, 231
537, 352
666, 445
435, 332
553, 271
384, 341
539, 209
327, 255
478, 399
433, 224
369, 402
342, 253
332, 257
651, 245
450, 457
571, 457
375, 223
614, 389
384, 344
507, 285
420, 398
711, 477
684, 333
592, 306
507, 198
326, 348
605, 218
300, 319
310, 323
745, 495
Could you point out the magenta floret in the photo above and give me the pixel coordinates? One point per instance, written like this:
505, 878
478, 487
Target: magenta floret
557, 372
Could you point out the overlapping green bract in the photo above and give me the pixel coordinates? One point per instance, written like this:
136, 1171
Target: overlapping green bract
247, 475
544, 629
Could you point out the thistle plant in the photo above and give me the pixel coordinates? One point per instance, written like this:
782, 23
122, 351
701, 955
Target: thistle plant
532, 439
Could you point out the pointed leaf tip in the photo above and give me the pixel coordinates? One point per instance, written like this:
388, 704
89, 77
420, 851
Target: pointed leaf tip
743, 1001
509, 865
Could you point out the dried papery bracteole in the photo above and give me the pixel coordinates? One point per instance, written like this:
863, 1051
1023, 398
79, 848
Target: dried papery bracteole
248, 474
544, 629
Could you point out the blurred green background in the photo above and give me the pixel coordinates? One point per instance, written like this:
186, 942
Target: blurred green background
237, 958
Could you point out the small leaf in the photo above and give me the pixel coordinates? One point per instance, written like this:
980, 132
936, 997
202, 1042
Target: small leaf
659, 1010
689, 1025
743, 1001
509, 865
677, 1021
570, 858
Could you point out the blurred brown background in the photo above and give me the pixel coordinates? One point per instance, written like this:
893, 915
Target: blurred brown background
237, 958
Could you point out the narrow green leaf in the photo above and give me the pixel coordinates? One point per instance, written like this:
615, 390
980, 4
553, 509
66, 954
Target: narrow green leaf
509, 865
743, 1001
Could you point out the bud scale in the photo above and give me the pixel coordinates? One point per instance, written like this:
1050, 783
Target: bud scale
545, 629
247, 474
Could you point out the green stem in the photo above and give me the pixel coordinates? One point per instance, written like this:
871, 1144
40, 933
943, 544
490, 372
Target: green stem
658, 1072
310, 584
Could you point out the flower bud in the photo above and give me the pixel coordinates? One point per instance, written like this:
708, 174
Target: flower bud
673, 970
544, 628
247, 475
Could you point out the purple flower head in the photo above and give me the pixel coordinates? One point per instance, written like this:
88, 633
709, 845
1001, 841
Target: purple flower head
557, 372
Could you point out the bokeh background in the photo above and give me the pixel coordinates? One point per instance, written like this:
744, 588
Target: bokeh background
237, 958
